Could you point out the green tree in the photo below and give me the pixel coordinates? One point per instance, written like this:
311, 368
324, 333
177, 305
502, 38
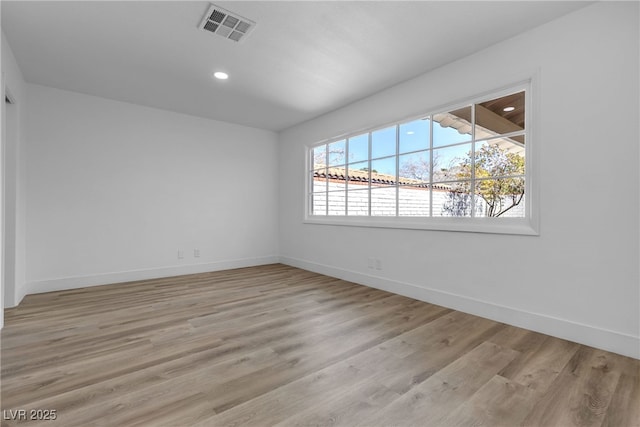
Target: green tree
495, 181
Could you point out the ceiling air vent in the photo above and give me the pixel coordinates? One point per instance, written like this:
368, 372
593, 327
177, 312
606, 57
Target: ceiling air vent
226, 24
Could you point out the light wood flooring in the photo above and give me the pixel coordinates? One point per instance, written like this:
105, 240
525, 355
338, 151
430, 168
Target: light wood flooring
275, 345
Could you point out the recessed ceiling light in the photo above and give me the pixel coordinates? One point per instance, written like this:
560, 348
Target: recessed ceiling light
220, 75
508, 109
410, 132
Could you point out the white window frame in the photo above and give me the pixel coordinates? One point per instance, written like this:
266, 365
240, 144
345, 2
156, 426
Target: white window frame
528, 225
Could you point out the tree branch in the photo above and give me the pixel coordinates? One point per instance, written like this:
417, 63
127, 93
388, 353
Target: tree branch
513, 205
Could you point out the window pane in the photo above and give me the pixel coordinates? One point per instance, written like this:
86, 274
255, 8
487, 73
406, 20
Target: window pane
319, 156
358, 174
383, 201
337, 152
383, 142
318, 180
319, 204
336, 202
452, 199
500, 157
500, 198
413, 201
452, 163
383, 171
358, 202
501, 115
414, 167
359, 148
456, 163
414, 135
452, 127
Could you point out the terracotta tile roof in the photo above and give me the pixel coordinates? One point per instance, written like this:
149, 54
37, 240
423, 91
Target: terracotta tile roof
339, 174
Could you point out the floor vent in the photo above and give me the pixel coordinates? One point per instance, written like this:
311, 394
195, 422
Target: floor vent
226, 24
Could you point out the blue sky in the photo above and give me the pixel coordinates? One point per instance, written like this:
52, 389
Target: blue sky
414, 136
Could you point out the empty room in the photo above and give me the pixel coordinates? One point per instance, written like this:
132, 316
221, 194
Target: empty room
320, 213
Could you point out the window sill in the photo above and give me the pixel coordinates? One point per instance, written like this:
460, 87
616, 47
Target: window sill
516, 226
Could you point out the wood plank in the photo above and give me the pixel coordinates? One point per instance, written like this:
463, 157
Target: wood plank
431, 401
374, 366
278, 345
500, 402
582, 393
624, 409
315, 353
539, 367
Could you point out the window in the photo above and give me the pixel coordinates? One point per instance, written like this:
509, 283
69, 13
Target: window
463, 168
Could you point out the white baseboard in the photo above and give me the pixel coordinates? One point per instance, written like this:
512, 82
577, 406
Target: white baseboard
613, 341
616, 342
21, 292
76, 282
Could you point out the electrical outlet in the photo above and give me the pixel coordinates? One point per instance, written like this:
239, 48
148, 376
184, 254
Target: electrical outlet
370, 262
196, 253
378, 264
180, 254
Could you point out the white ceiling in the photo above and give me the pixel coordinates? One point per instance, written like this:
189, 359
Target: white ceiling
303, 58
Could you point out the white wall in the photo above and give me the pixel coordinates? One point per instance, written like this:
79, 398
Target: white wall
14, 182
579, 278
114, 190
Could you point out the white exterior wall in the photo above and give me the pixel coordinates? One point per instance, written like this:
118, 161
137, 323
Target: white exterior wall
411, 201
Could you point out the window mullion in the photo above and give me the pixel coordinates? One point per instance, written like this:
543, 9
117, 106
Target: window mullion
312, 184
472, 184
346, 177
431, 166
397, 170
326, 181
369, 172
